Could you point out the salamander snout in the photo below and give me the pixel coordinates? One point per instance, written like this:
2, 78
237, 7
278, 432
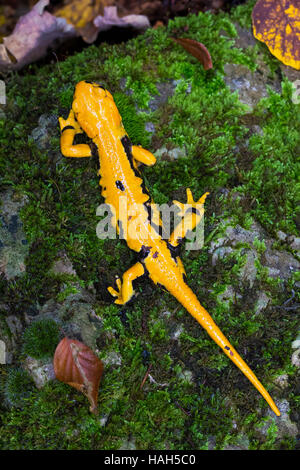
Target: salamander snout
95, 84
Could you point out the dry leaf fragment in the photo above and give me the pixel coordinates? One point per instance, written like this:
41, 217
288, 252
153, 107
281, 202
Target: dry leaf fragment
277, 24
76, 364
111, 18
197, 49
31, 37
38, 30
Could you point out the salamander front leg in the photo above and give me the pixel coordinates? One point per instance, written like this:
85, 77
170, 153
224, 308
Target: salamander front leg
69, 128
125, 289
191, 213
143, 156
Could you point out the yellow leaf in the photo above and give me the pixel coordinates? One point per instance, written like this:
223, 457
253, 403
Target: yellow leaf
81, 12
277, 24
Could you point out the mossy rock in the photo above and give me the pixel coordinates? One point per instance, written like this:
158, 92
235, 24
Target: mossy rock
227, 148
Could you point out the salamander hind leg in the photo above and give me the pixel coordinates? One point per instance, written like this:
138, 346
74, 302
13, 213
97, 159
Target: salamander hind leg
125, 288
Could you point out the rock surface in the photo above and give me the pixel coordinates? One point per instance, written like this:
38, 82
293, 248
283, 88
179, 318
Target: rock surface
76, 317
280, 264
285, 427
13, 244
40, 371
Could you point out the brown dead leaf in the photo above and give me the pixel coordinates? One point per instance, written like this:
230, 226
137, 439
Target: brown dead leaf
111, 18
76, 364
197, 49
277, 24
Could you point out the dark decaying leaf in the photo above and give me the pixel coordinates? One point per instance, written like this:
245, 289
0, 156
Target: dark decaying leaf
277, 24
77, 365
38, 30
32, 36
197, 49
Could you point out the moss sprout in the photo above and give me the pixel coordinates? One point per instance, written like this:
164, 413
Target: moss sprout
18, 387
40, 339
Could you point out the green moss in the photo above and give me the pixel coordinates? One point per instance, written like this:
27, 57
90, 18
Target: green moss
68, 289
259, 245
276, 162
134, 123
242, 14
41, 338
18, 388
221, 150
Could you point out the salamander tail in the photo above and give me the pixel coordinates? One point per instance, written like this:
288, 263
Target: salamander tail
188, 299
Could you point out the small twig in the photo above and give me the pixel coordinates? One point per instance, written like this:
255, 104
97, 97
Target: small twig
57, 63
291, 298
293, 307
146, 375
59, 193
184, 411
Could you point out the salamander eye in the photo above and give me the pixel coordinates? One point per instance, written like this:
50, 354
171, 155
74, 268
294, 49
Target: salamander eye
99, 86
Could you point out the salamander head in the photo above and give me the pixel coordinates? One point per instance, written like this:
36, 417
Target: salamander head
94, 106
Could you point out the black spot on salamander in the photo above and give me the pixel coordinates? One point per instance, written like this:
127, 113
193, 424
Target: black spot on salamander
144, 252
94, 150
127, 146
158, 228
146, 272
184, 278
193, 210
67, 127
174, 250
155, 255
95, 84
161, 286
120, 185
121, 231
228, 349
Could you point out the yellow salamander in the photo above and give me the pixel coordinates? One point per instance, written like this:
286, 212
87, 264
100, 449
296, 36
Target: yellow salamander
95, 113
